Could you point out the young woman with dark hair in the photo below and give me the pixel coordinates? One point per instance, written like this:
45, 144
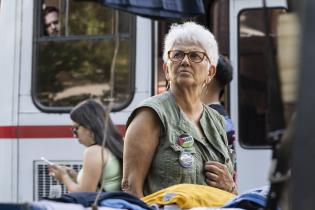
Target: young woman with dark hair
89, 127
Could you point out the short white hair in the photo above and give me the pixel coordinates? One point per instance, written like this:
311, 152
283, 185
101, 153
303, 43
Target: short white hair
191, 33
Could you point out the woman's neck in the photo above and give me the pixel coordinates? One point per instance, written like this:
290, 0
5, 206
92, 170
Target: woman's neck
189, 102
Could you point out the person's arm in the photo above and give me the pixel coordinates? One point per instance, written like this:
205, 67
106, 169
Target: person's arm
92, 170
141, 140
217, 175
72, 173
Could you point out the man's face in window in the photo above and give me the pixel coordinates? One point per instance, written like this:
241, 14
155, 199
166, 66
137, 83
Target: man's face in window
52, 25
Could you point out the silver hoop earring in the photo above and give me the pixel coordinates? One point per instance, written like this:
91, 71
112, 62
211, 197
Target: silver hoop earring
206, 92
203, 87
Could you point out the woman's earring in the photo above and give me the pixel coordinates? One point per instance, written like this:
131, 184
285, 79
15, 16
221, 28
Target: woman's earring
167, 77
205, 86
206, 93
168, 85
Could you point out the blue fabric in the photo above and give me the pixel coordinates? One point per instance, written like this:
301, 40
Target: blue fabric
13, 206
87, 198
159, 9
120, 204
257, 196
229, 127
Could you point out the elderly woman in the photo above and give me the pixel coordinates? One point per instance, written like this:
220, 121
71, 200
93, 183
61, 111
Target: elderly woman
174, 138
89, 127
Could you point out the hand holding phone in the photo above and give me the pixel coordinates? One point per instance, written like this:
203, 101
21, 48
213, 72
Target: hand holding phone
47, 161
49, 164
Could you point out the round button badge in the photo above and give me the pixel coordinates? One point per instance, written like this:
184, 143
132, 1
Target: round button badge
185, 140
186, 159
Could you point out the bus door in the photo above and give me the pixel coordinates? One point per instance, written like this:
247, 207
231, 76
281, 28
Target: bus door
248, 90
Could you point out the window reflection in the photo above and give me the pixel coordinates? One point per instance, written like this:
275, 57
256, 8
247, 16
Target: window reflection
50, 20
253, 95
73, 61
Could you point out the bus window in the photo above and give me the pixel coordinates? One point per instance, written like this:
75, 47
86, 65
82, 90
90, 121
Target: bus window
218, 17
252, 79
73, 52
160, 80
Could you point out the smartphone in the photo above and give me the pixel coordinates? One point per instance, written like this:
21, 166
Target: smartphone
47, 161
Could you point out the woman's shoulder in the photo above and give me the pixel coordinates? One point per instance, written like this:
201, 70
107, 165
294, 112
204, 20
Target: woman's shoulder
157, 99
158, 105
92, 152
162, 104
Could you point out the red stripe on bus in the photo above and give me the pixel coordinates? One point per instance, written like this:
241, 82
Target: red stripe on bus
40, 131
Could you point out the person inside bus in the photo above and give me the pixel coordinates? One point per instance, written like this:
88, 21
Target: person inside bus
213, 95
102, 166
173, 137
51, 21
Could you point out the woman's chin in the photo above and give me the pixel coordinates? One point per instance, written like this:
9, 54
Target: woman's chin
185, 80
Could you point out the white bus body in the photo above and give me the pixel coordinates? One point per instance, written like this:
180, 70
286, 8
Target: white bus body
21, 147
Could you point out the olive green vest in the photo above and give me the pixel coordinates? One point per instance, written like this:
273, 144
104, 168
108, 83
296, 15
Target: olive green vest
166, 168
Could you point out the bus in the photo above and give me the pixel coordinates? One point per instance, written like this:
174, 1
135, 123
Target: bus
103, 53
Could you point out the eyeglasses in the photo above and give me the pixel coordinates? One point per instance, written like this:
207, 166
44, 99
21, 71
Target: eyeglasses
193, 56
75, 129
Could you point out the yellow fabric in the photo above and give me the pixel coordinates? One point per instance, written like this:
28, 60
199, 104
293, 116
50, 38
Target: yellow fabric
189, 196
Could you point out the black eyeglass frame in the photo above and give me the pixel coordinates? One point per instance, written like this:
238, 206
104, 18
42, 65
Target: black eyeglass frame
188, 55
75, 129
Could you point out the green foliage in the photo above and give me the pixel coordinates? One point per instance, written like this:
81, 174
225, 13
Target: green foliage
64, 65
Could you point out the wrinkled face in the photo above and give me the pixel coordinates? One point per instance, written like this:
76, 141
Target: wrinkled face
188, 65
83, 134
52, 25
